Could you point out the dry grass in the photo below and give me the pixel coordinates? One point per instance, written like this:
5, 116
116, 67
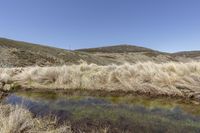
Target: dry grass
172, 79
15, 119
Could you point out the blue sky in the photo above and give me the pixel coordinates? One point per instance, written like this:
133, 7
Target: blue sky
166, 25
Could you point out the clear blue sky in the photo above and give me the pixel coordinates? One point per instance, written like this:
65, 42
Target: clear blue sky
166, 25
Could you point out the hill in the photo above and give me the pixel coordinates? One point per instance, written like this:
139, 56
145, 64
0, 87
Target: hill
19, 54
185, 56
123, 48
119, 54
188, 54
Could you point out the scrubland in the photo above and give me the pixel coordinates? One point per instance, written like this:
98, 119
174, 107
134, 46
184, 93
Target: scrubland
169, 79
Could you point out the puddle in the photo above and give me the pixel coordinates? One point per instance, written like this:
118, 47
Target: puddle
127, 114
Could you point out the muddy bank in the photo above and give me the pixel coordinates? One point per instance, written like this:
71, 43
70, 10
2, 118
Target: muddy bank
103, 93
6, 89
186, 93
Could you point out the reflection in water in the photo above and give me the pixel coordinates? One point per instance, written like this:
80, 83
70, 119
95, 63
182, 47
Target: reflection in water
124, 113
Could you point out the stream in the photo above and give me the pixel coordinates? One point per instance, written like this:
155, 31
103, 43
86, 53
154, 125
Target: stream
118, 114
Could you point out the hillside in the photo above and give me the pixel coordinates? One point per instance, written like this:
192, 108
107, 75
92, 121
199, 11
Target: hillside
188, 54
185, 56
123, 48
128, 53
19, 54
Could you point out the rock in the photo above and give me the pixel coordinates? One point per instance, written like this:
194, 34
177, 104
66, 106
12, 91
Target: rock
7, 87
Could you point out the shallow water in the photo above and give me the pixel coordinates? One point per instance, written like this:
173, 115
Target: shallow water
128, 114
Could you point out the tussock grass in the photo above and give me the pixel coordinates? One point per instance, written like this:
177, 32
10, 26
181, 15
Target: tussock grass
16, 119
171, 79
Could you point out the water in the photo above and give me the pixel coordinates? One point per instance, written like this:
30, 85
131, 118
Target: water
128, 114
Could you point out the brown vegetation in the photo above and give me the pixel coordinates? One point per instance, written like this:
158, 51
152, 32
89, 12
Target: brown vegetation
23, 54
15, 119
169, 79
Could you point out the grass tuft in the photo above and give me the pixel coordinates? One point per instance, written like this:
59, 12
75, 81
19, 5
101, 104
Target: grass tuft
172, 78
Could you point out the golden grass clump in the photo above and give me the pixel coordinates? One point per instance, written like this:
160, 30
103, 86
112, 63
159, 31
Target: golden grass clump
16, 119
172, 78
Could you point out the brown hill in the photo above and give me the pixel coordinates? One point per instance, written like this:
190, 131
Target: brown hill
19, 54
